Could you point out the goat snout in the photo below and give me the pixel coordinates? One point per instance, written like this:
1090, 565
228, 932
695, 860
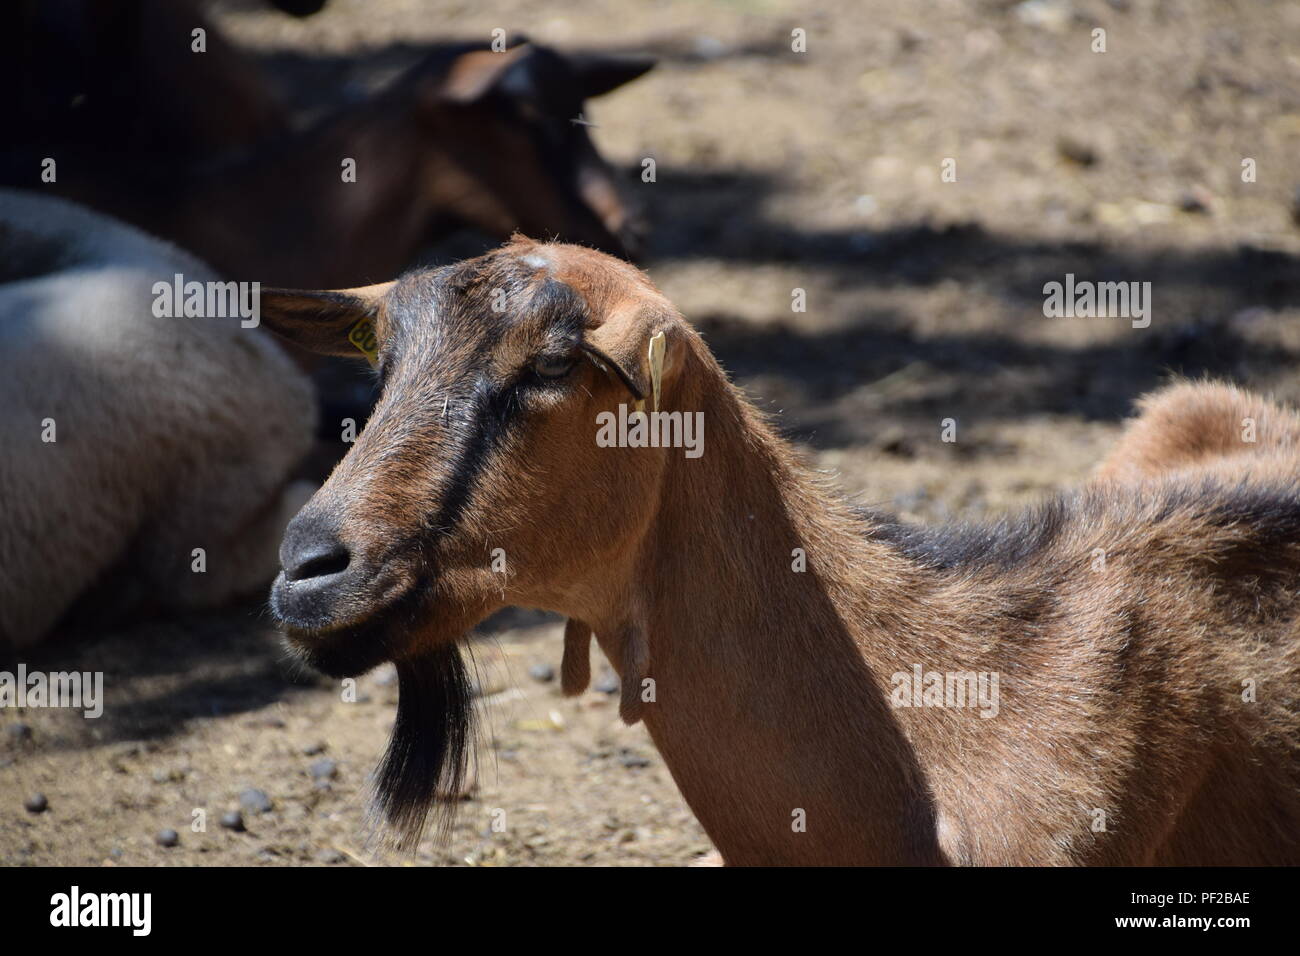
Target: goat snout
320, 578
312, 549
314, 559
333, 587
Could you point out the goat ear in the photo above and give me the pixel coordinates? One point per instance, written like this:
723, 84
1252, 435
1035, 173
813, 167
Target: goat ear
327, 323
598, 73
646, 343
474, 74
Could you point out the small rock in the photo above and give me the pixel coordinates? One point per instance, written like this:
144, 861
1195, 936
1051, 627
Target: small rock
542, 673
896, 441
325, 769
312, 750
255, 801
36, 803
330, 856
632, 759
708, 47
234, 820
1051, 15
608, 683
908, 40
1195, 200
167, 838
1076, 151
19, 733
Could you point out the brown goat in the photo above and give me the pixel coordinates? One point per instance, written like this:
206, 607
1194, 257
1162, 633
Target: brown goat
1139, 634
198, 150
468, 137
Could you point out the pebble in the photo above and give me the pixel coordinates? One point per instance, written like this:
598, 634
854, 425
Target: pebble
167, 838
632, 759
1051, 15
312, 750
234, 820
1197, 199
325, 769
608, 683
543, 673
19, 733
708, 47
330, 856
36, 803
255, 800
1076, 151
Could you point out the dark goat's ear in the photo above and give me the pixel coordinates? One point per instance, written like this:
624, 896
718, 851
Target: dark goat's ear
327, 323
473, 75
598, 73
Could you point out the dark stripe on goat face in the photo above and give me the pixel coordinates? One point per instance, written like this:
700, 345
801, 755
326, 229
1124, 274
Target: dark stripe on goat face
489, 419
473, 329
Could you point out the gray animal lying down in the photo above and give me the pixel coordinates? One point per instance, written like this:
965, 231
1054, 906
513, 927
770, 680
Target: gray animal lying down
129, 440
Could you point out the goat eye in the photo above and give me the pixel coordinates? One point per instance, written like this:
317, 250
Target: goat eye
553, 366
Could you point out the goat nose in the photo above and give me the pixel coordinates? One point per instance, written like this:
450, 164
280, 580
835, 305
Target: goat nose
320, 559
309, 552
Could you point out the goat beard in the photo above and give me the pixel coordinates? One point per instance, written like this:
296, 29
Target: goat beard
422, 775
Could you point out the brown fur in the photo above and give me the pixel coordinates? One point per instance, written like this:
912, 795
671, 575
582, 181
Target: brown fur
198, 150
1192, 425
437, 148
1122, 619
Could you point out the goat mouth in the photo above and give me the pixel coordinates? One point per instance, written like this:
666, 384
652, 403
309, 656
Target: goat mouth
357, 646
350, 652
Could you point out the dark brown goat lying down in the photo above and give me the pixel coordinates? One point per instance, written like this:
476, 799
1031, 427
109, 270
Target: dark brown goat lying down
1108, 679
198, 149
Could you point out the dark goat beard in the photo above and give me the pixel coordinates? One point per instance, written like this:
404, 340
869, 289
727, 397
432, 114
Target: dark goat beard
421, 777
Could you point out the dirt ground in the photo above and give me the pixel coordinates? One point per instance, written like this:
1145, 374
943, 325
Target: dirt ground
776, 170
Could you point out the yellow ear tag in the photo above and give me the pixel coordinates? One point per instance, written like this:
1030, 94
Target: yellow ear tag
657, 346
362, 336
